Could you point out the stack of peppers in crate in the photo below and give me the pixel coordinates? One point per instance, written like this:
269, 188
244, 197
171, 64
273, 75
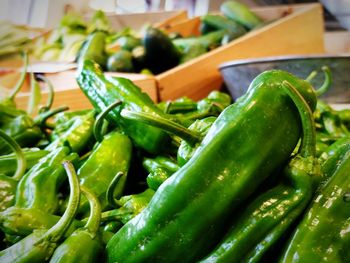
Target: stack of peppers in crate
263, 178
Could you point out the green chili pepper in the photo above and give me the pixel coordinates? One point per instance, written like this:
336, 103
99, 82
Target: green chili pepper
23, 221
39, 246
111, 156
32, 156
38, 188
180, 105
131, 205
94, 49
249, 140
27, 131
186, 150
77, 136
323, 233
331, 157
102, 91
83, 245
8, 185
266, 219
159, 169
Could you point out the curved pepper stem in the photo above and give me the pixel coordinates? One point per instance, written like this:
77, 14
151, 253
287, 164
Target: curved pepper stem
326, 83
57, 231
43, 117
51, 95
308, 141
159, 122
110, 193
21, 160
97, 129
20, 82
93, 222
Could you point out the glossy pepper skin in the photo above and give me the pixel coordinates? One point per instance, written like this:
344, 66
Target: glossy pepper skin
159, 169
39, 246
323, 234
266, 219
32, 156
166, 230
83, 245
23, 221
39, 186
111, 156
23, 130
186, 150
103, 91
8, 185
78, 134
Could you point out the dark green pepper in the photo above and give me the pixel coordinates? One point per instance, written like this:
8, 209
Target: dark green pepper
40, 245
103, 91
249, 140
83, 245
159, 169
323, 233
38, 188
266, 219
131, 205
186, 150
8, 185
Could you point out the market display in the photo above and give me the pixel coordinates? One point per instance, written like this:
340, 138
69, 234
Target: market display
264, 178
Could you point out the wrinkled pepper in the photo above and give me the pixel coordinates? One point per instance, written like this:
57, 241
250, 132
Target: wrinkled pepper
77, 136
111, 156
323, 233
249, 140
103, 91
38, 188
40, 245
8, 185
159, 169
83, 245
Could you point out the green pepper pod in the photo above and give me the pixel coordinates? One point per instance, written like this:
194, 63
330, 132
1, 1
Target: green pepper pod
39, 246
266, 219
247, 143
23, 221
111, 156
78, 134
186, 150
31, 155
8, 184
83, 245
103, 91
323, 234
159, 169
94, 49
241, 13
38, 188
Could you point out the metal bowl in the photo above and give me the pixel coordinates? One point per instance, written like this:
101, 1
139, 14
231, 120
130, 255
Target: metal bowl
238, 74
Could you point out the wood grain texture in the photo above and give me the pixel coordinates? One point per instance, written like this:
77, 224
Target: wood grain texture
67, 91
296, 29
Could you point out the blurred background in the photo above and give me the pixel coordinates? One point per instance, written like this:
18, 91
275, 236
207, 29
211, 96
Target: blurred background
47, 13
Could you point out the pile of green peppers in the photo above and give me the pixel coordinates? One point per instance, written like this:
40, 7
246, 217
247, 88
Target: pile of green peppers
264, 178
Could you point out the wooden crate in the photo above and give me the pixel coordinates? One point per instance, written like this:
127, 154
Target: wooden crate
296, 29
337, 42
67, 91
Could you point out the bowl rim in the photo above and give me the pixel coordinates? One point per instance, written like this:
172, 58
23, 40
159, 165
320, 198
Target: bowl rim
240, 62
